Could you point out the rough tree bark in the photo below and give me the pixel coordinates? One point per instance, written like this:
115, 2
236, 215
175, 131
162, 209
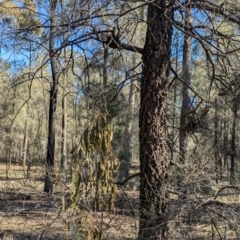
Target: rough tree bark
153, 148
53, 56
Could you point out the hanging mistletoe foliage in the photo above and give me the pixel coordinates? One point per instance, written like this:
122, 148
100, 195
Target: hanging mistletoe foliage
96, 165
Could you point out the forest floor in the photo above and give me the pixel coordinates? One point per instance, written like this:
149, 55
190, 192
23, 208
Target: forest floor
29, 213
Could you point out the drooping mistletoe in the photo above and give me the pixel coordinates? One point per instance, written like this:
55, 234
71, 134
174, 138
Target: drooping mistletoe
92, 173
96, 164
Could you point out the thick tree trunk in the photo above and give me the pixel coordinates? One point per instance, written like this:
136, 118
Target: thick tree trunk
48, 186
153, 148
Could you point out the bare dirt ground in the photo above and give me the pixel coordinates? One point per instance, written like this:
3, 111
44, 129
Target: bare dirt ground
31, 214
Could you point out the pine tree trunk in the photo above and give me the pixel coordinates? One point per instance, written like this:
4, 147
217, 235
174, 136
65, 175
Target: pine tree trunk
48, 186
127, 133
9, 142
225, 142
234, 165
174, 121
216, 145
64, 127
153, 148
186, 99
221, 155
25, 144
105, 58
25, 140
